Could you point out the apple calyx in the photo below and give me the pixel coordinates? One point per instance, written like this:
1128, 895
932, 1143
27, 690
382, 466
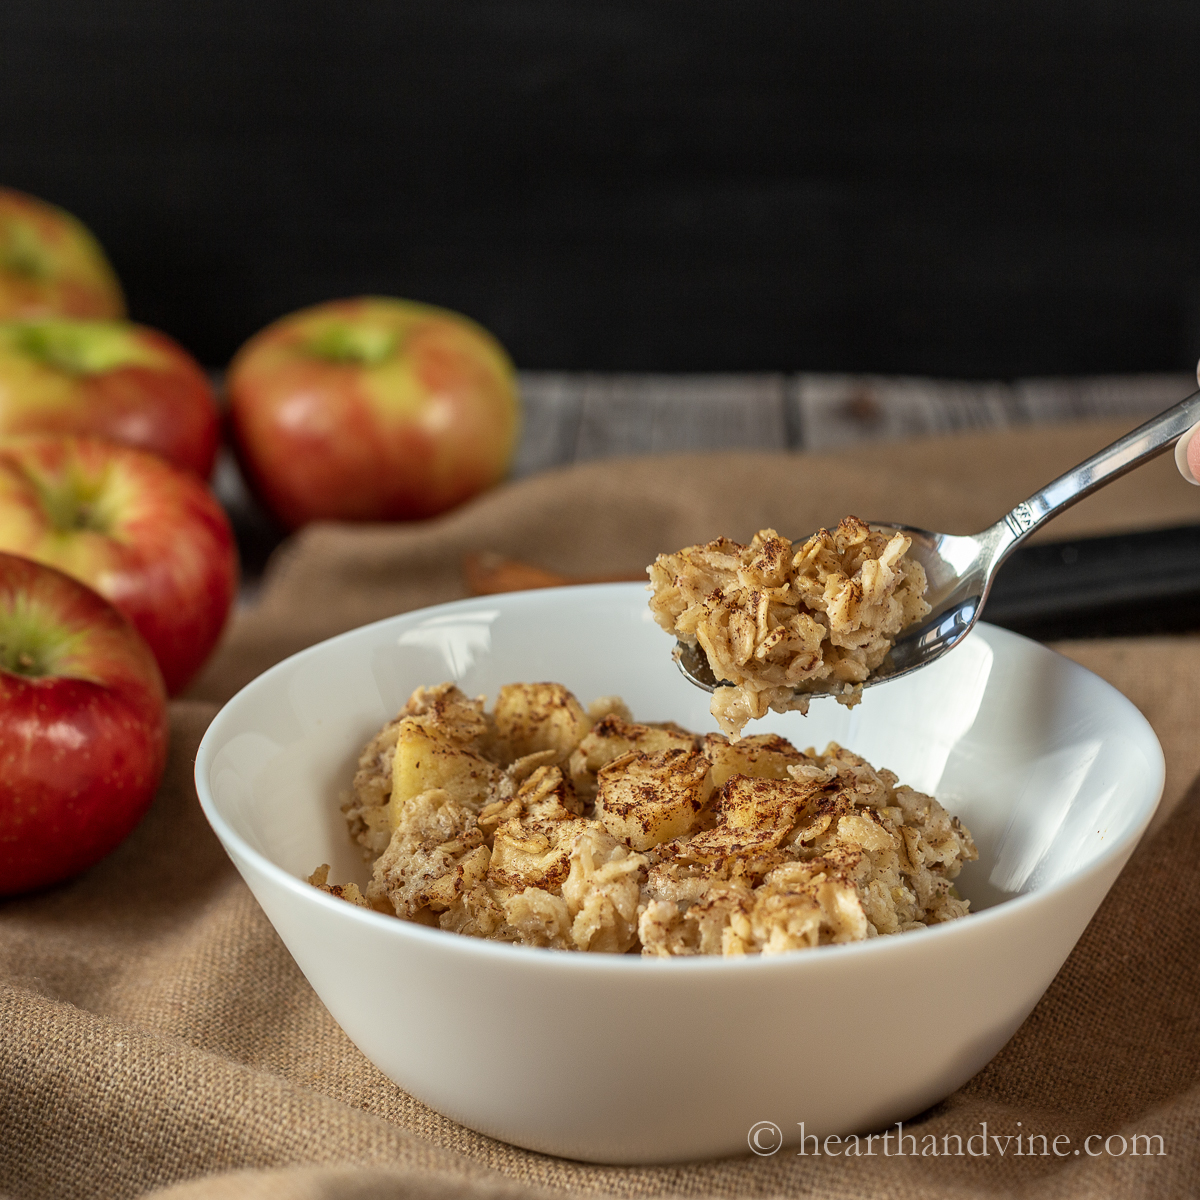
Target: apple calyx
77, 504
77, 347
32, 644
367, 345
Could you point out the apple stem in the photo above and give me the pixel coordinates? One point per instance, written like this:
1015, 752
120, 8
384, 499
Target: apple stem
75, 505
367, 345
33, 642
77, 347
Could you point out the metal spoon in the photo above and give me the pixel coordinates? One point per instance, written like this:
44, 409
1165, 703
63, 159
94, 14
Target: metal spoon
961, 569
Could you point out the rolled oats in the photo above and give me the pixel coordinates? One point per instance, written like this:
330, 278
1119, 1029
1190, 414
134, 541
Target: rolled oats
779, 622
546, 824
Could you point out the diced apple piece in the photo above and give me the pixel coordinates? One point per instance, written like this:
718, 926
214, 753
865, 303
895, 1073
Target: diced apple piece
646, 799
766, 756
540, 716
611, 738
604, 706
427, 759
753, 816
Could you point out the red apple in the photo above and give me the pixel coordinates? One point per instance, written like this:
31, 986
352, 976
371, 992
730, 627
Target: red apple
50, 265
112, 379
148, 537
372, 409
83, 726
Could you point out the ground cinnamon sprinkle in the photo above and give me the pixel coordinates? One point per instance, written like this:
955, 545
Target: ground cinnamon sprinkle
545, 824
780, 623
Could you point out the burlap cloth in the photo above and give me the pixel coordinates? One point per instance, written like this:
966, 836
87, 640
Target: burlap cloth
157, 1035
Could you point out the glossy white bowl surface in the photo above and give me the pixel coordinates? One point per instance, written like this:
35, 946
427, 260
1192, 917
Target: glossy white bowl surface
624, 1059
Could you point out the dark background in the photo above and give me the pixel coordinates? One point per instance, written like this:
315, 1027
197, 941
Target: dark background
935, 186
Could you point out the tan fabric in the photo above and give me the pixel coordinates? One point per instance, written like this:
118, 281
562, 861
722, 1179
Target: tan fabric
157, 1035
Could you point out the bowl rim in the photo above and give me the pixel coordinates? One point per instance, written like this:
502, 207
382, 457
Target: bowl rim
236, 846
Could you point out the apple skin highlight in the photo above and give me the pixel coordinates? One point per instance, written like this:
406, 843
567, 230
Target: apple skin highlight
83, 726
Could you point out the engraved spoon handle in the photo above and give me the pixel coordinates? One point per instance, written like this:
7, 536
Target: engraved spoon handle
1143, 444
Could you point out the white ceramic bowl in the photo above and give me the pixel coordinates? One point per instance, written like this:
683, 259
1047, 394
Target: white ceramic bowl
624, 1059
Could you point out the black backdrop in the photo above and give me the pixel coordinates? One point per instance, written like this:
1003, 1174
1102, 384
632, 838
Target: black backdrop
941, 186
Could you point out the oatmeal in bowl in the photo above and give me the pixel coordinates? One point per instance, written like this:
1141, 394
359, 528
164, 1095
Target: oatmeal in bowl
544, 824
780, 622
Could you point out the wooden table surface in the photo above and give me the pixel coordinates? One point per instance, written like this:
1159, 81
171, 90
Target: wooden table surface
577, 417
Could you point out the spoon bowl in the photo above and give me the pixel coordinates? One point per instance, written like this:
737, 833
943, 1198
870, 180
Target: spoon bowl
960, 569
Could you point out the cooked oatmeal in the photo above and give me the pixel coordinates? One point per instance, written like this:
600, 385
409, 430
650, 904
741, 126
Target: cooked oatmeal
780, 623
547, 824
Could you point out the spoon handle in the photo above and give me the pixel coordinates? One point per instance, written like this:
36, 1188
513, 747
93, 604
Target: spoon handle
1143, 444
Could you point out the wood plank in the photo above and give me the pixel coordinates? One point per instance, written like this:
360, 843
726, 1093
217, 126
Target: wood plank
552, 403
1045, 400
844, 410
575, 417
661, 414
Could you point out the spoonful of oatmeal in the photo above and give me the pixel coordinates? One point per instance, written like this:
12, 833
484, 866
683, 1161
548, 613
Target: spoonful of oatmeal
775, 623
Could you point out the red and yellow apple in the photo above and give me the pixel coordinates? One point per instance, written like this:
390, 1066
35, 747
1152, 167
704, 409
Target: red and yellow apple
50, 264
148, 537
83, 726
110, 379
372, 409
